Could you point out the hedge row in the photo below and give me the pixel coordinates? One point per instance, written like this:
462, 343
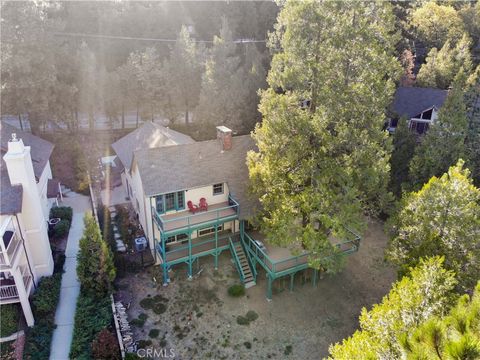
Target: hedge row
92, 315
9, 319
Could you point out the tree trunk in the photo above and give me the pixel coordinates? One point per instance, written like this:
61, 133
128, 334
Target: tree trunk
20, 121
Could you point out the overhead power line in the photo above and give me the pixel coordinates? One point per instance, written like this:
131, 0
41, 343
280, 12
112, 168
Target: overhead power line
113, 37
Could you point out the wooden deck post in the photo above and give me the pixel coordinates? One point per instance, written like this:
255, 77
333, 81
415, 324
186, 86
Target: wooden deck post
216, 246
269, 287
292, 276
189, 255
164, 263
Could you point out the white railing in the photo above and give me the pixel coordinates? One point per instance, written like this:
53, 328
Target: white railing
8, 292
8, 251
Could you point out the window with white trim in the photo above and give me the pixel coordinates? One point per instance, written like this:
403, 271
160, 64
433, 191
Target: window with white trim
207, 231
218, 189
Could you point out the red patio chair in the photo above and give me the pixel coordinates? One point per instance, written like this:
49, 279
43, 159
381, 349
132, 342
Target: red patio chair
203, 204
191, 207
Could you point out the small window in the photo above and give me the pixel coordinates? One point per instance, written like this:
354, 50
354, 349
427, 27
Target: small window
218, 189
170, 201
177, 238
209, 230
159, 200
180, 200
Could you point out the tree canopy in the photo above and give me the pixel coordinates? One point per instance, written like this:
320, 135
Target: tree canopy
322, 157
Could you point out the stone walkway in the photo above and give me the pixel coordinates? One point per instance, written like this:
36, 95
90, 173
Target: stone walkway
70, 287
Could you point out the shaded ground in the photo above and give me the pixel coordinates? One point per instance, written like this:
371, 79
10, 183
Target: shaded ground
198, 319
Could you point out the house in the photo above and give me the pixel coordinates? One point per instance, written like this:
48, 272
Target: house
26, 179
419, 105
149, 136
196, 205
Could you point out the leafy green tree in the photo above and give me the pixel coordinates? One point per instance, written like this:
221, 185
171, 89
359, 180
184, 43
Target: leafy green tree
455, 336
87, 76
443, 218
404, 142
425, 292
183, 73
442, 66
321, 165
434, 23
444, 142
472, 140
95, 268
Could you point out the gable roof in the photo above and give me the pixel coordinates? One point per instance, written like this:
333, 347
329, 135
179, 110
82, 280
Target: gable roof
149, 135
203, 163
11, 195
410, 101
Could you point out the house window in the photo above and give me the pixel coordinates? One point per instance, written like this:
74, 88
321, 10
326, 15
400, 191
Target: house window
218, 189
170, 201
207, 231
176, 238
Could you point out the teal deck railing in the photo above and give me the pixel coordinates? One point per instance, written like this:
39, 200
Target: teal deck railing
187, 221
298, 262
199, 247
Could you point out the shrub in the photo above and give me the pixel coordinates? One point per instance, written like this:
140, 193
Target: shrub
288, 350
241, 320
105, 346
58, 262
142, 344
156, 303
251, 316
62, 212
138, 322
248, 344
9, 319
46, 297
38, 339
105, 224
154, 333
61, 229
236, 290
93, 314
132, 356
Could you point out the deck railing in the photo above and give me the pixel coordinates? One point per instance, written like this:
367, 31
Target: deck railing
162, 222
236, 260
8, 292
7, 253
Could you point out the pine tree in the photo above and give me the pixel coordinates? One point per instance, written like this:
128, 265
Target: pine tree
444, 142
472, 140
95, 268
443, 218
320, 166
425, 292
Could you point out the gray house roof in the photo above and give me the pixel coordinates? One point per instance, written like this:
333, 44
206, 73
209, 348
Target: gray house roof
410, 101
150, 135
11, 195
204, 163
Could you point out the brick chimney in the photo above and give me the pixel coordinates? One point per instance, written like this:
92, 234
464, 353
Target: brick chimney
224, 134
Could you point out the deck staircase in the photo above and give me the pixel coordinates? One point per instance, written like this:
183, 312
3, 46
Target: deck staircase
242, 264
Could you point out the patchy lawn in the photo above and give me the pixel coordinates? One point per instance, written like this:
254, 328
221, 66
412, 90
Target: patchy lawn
198, 319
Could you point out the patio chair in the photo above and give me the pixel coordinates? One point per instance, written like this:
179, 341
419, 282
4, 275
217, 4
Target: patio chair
203, 204
191, 207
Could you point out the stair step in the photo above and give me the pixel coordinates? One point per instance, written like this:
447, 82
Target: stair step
250, 284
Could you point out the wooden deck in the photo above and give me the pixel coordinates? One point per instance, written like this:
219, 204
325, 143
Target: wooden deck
185, 219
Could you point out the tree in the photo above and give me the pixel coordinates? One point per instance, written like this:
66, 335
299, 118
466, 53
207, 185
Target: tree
435, 23
95, 268
425, 292
472, 140
443, 218
320, 166
404, 143
455, 336
444, 142
442, 66
87, 83
183, 73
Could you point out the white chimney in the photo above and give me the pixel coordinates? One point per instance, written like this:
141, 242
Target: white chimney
20, 171
224, 134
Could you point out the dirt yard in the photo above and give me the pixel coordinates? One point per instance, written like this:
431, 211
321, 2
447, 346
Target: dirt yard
198, 319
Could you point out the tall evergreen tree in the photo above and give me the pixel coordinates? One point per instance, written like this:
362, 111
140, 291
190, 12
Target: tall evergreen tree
320, 166
472, 140
443, 218
95, 268
444, 142
426, 291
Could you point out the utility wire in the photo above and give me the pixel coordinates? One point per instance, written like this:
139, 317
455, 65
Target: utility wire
97, 36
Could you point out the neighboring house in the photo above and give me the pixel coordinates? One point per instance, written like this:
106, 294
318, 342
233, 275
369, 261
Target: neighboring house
25, 254
150, 135
174, 183
419, 105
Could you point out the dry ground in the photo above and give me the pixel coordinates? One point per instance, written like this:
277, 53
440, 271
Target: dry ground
200, 317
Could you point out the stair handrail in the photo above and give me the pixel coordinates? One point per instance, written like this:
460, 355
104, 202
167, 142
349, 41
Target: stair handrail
250, 260
237, 260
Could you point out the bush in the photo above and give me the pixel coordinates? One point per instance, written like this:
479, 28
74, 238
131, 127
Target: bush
46, 297
93, 314
156, 303
62, 212
142, 344
236, 290
251, 316
132, 356
9, 319
105, 346
241, 320
58, 262
61, 229
154, 333
106, 228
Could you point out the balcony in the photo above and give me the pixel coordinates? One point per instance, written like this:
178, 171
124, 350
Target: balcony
9, 289
9, 244
216, 213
